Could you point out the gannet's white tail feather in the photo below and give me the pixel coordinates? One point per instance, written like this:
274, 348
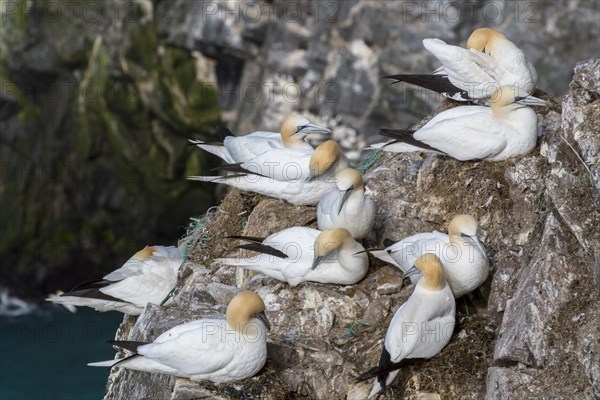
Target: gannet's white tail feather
215, 179
107, 363
375, 146
377, 387
384, 256
217, 150
96, 304
137, 363
252, 183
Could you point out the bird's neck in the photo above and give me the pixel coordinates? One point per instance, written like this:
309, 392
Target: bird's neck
499, 111
464, 247
346, 253
292, 142
434, 280
456, 239
252, 328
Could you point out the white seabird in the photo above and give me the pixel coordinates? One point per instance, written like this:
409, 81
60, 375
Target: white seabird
237, 149
347, 206
216, 350
301, 189
465, 260
301, 254
421, 327
506, 129
292, 165
148, 276
474, 74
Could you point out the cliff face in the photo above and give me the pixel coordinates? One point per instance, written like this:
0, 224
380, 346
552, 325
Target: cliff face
329, 57
536, 333
94, 117
97, 98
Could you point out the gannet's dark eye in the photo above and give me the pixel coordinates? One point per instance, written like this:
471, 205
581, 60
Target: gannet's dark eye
518, 98
299, 128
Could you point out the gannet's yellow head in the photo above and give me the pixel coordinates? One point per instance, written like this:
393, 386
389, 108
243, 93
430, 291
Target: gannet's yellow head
508, 98
328, 242
485, 39
348, 180
433, 271
144, 253
463, 225
243, 307
324, 157
295, 128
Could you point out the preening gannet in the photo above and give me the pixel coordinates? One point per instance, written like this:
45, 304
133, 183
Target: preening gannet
237, 149
147, 277
306, 184
506, 129
216, 350
421, 327
347, 206
489, 62
465, 260
301, 254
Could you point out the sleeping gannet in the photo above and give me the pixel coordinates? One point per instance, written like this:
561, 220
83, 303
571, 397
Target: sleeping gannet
506, 129
236, 149
465, 260
474, 74
148, 276
216, 350
305, 185
421, 327
347, 206
301, 254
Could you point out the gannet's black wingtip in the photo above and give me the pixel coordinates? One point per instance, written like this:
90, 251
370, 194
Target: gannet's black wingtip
253, 239
407, 136
223, 132
437, 83
263, 248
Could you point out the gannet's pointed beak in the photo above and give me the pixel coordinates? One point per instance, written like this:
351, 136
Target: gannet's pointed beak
318, 260
412, 271
313, 128
532, 101
261, 316
344, 198
469, 239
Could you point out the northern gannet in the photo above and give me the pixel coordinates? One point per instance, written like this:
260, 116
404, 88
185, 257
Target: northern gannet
147, 277
506, 129
216, 350
465, 260
325, 161
421, 327
301, 254
292, 165
489, 62
236, 149
347, 206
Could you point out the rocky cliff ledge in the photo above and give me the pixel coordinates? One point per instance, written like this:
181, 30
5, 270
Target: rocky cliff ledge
536, 333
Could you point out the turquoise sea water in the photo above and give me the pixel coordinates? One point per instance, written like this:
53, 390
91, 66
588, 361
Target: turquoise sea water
43, 355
